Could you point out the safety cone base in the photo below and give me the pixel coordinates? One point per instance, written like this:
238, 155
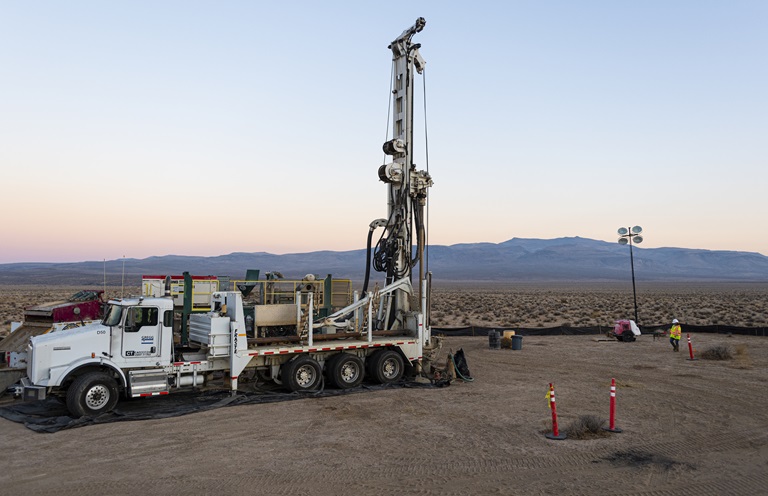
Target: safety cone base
615, 429
559, 437
691, 359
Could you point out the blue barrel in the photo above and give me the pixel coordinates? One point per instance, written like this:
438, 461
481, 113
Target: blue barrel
517, 342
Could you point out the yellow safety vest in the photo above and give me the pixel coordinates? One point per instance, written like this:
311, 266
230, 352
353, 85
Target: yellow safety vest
675, 332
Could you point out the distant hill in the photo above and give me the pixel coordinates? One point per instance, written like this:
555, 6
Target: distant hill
557, 260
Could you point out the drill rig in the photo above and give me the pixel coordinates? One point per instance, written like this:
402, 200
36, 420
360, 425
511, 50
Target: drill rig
407, 190
383, 335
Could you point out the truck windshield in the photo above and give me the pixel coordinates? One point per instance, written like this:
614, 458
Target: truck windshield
112, 317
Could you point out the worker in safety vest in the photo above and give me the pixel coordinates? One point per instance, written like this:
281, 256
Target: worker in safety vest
674, 335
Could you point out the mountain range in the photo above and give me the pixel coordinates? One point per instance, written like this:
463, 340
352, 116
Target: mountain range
570, 259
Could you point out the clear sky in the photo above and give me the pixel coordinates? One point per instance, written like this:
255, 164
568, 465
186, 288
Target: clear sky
204, 128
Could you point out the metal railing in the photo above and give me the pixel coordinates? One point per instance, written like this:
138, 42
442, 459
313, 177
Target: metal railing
284, 291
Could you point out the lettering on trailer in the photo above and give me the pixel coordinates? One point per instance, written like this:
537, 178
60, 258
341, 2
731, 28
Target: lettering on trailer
133, 353
147, 339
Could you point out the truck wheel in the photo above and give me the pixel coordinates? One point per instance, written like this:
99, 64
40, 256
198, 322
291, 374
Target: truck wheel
301, 374
345, 371
92, 394
386, 366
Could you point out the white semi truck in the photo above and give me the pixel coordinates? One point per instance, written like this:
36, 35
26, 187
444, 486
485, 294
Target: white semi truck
382, 335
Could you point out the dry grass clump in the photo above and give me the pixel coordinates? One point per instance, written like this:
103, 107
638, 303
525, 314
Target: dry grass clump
743, 361
506, 343
717, 352
586, 427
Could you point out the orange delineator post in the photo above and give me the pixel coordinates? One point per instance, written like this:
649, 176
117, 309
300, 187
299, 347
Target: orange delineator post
555, 434
612, 426
690, 347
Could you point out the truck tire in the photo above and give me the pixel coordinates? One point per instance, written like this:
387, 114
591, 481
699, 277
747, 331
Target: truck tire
386, 366
301, 374
345, 371
92, 394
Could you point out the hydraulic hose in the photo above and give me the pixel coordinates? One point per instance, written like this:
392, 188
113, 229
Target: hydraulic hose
367, 262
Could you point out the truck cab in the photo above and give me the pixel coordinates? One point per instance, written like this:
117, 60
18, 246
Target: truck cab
141, 331
90, 363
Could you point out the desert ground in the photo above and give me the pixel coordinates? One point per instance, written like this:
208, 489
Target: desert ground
689, 427
600, 304
525, 305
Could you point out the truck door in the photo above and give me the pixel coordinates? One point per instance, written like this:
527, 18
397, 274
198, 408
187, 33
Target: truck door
141, 333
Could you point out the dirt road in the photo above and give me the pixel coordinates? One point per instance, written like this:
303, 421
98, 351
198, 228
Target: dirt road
689, 428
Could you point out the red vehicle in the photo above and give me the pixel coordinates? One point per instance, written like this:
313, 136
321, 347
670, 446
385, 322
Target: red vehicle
83, 305
626, 330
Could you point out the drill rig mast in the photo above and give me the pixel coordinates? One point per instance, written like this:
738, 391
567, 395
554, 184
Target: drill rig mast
406, 191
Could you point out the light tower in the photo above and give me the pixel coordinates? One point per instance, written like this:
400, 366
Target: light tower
629, 236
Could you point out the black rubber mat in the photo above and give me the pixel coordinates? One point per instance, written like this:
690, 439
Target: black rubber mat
51, 415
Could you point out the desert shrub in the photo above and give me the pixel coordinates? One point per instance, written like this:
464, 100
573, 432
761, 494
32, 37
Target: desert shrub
742, 357
506, 343
719, 352
586, 427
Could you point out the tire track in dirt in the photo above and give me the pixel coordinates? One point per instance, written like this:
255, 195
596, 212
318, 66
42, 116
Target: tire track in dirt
437, 476
753, 484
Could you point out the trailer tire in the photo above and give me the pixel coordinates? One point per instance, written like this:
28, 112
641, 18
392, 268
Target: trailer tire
301, 374
345, 371
386, 366
92, 394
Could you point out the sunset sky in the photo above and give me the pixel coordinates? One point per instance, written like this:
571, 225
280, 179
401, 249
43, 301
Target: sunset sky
204, 128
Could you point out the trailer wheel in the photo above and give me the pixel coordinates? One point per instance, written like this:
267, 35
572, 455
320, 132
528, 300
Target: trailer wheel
386, 366
92, 394
345, 371
301, 374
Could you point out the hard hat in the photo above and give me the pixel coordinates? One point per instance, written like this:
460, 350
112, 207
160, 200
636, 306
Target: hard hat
674, 321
